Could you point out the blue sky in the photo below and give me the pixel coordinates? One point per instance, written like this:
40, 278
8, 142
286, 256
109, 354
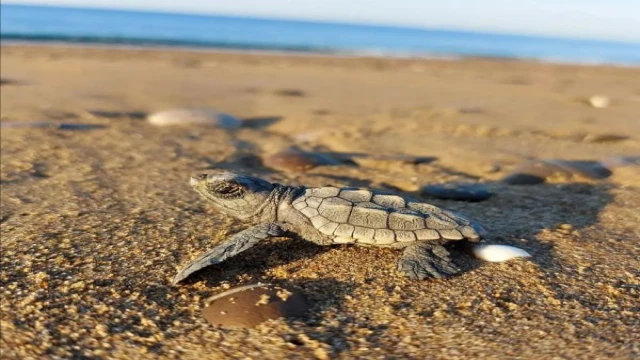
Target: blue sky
598, 19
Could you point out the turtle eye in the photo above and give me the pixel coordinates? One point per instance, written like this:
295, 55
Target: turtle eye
227, 189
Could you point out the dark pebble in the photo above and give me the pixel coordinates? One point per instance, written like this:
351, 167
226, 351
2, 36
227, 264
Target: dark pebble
603, 138
249, 305
260, 121
290, 93
462, 192
523, 179
240, 160
7, 81
294, 159
108, 114
80, 127
538, 171
321, 112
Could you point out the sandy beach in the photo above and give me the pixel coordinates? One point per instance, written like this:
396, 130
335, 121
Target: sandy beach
96, 219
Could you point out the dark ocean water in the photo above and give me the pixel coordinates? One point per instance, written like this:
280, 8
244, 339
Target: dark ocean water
115, 27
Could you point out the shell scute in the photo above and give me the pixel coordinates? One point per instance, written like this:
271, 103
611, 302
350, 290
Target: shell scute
335, 209
368, 217
356, 196
406, 221
363, 235
324, 192
389, 201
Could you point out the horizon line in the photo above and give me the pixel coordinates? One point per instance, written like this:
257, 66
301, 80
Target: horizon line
326, 22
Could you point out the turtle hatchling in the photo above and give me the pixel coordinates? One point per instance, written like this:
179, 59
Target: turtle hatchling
332, 215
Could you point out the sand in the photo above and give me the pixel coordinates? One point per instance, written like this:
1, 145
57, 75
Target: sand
96, 222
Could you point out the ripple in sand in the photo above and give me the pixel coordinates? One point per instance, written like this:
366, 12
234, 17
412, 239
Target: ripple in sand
249, 305
50, 125
404, 159
538, 171
194, 116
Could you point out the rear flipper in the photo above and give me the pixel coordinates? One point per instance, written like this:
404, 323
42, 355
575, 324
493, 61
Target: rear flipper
422, 260
231, 247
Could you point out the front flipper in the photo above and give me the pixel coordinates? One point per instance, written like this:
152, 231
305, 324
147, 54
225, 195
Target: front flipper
230, 247
422, 260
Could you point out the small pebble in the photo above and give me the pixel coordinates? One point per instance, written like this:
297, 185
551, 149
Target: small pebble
68, 126
241, 160
290, 93
194, 116
586, 168
538, 171
471, 110
249, 305
498, 253
462, 192
7, 81
599, 101
534, 172
602, 138
321, 112
109, 114
295, 159
565, 226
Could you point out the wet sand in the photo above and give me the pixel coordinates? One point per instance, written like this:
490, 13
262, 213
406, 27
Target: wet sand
96, 221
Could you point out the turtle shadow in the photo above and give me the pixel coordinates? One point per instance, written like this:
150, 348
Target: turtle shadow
528, 216
325, 296
257, 261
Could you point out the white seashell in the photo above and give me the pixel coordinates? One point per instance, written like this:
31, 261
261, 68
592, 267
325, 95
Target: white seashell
194, 116
498, 253
599, 101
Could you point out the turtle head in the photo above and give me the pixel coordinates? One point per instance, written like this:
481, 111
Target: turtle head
237, 195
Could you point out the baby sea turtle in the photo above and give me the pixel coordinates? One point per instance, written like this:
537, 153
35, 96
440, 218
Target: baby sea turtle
332, 215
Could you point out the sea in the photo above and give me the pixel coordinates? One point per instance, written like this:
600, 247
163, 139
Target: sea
44, 24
